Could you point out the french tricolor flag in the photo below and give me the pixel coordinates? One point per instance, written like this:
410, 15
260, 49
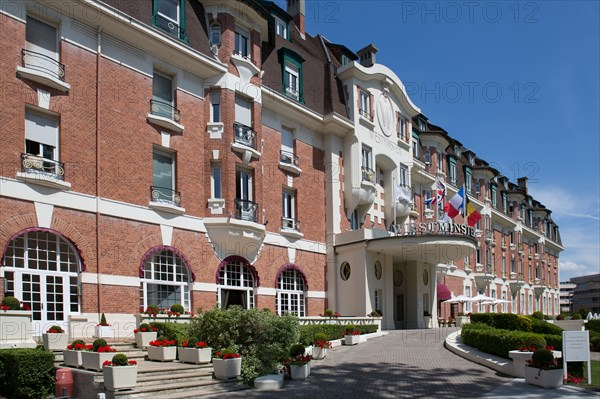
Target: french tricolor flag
456, 203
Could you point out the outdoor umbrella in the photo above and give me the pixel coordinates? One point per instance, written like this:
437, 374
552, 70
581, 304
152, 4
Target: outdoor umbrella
459, 299
481, 298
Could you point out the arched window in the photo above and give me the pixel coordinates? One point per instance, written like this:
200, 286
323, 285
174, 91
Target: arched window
237, 283
41, 268
291, 293
165, 280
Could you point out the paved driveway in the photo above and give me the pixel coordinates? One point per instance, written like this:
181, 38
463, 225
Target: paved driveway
403, 364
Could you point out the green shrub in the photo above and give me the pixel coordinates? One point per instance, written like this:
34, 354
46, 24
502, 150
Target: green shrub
77, 342
120, 359
320, 337
553, 340
26, 373
538, 315
98, 342
543, 327
297, 350
152, 310
262, 338
12, 303
499, 342
144, 326
171, 331
541, 358
178, 308
103, 321
576, 316
595, 343
593, 325
331, 331
506, 321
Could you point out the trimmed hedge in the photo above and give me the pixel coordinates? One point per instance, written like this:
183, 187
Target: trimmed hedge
593, 325
554, 340
543, 327
26, 373
498, 342
331, 331
506, 321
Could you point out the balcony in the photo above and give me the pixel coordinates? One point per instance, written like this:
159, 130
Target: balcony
246, 210
165, 115
244, 142
368, 175
489, 236
291, 227
166, 200
43, 69
43, 171
289, 162
293, 92
170, 27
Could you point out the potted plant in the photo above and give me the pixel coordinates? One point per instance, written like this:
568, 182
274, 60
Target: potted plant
15, 324
103, 329
144, 335
320, 346
351, 335
100, 352
544, 370
176, 310
162, 350
375, 313
119, 373
195, 352
520, 357
72, 355
227, 364
55, 339
299, 367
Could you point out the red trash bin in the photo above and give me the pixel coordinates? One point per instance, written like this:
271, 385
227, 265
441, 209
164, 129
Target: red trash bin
64, 382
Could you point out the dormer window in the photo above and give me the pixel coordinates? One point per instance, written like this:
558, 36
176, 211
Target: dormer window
291, 63
215, 34
422, 125
242, 43
292, 81
364, 104
281, 28
169, 16
345, 60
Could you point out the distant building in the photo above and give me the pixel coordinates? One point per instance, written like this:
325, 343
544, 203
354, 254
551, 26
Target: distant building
566, 296
586, 293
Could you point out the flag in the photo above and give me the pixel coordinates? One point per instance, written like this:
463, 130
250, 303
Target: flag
441, 192
472, 215
456, 203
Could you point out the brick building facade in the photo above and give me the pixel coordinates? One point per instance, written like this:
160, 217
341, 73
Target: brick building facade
214, 153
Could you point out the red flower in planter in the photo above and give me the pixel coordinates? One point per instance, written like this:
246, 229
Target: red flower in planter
163, 343
106, 349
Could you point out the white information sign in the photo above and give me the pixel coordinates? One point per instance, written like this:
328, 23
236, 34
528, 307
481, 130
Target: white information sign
576, 348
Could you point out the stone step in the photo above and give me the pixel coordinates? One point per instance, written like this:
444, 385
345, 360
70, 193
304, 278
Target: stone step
147, 379
183, 389
211, 390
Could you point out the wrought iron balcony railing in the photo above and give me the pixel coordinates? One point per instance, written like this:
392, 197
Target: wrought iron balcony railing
290, 224
165, 195
48, 168
164, 109
43, 63
288, 158
368, 174
169, 26
246, 210
244, 135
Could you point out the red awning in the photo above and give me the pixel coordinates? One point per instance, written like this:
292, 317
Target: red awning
443, 293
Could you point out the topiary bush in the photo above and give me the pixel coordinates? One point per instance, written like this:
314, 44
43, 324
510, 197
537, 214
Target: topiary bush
120, 359
297, 350
178, 308
12, 303
98, 342
26, 373
542, 358
262, 338
538, 315
331, 331
499, 342
506, 321
320, 337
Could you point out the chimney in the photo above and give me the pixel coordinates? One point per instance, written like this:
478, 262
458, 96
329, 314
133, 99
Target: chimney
367, 55
522, 181
297, 9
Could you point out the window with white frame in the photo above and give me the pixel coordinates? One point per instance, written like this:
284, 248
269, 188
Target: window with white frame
512, 266
428, 196
215, 106
288, 211
427, 155
242, 43
468, 180
467, 305
41, 135
504, 203
367, 165
522, 303
365, 104
452, 170
236, 286
281, 28
403, 175
401, 127
477, 187
415, 147
291, 293
162, 95
166, 281
530, 303
42, 47
440, 161
215, 180
292, 80
354, 222
494, 196
503, 301
215, 34
163, 176
169, 16
503, 265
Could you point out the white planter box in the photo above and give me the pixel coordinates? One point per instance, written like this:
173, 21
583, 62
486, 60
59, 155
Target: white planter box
162, 353
54, 341
195, 355
105, 332
544, 378
519, 360
120, 377
16, 328
299, 373
94, 360
143, 339
319, 353
226, 369
72, 358
351, 339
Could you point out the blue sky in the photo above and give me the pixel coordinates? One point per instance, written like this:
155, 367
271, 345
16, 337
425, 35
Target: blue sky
517, 82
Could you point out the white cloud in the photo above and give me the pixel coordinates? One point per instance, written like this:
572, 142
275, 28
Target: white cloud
568, 269
568, 266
